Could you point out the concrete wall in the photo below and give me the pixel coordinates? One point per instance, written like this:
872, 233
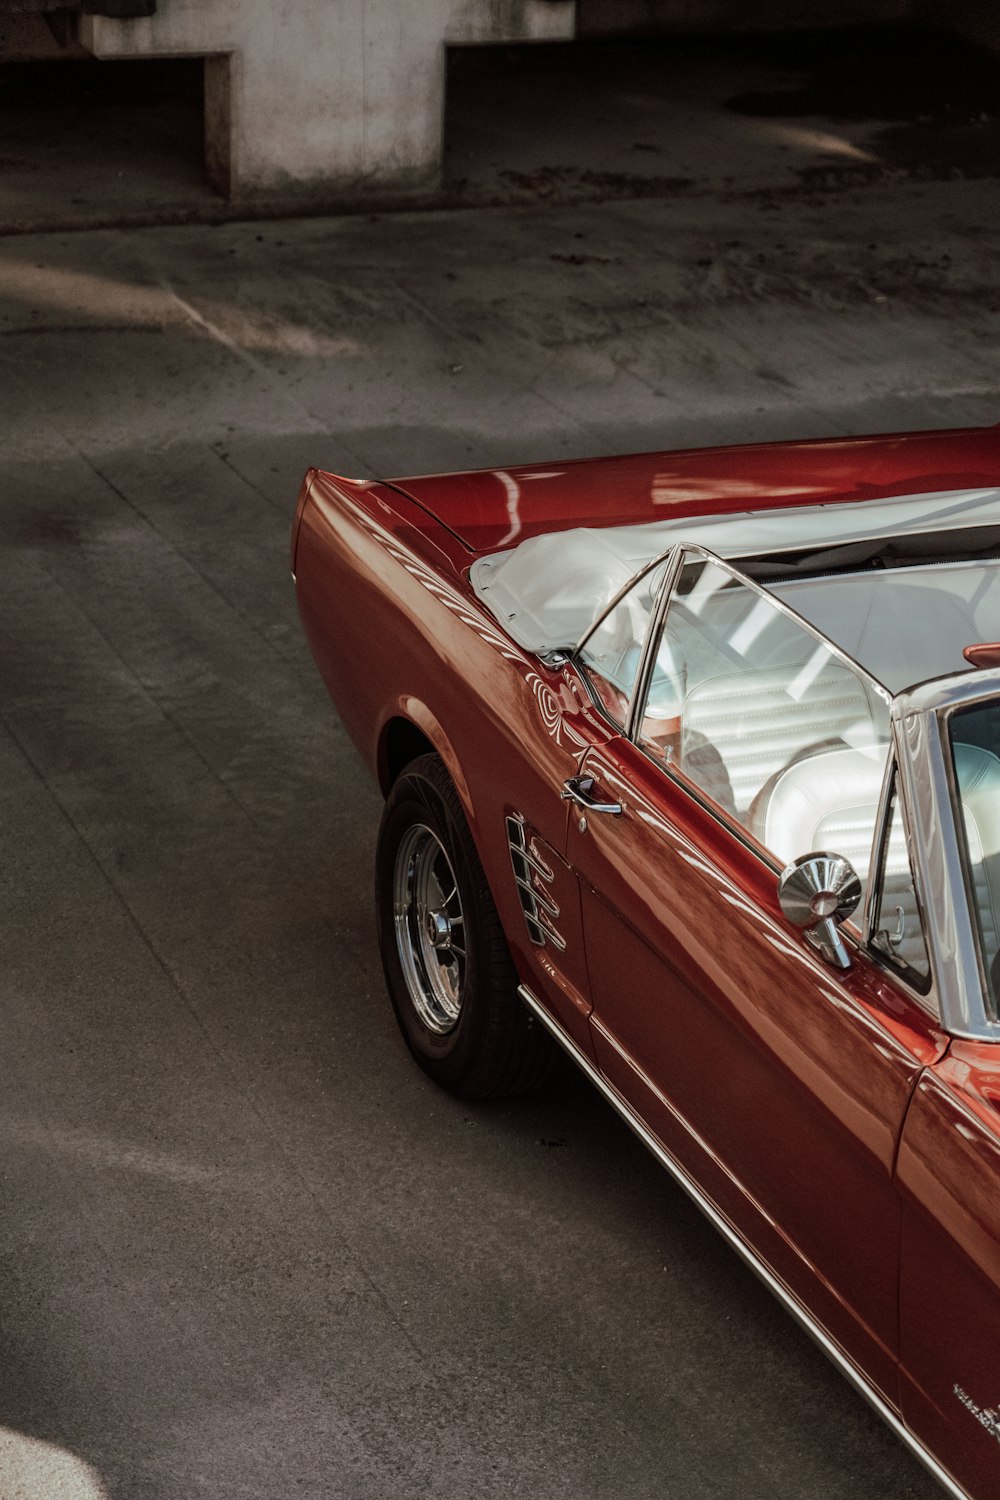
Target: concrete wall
340, 96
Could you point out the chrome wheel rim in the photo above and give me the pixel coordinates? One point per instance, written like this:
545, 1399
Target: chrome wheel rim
430, 928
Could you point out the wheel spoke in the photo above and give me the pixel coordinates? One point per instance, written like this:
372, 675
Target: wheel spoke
433, 966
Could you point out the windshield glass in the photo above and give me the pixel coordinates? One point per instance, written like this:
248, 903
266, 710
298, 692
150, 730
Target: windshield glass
768, 721
609, 657
975, 748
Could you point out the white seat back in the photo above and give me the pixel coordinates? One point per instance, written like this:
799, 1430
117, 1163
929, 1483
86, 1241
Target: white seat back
830, 801
758, 724
825, 801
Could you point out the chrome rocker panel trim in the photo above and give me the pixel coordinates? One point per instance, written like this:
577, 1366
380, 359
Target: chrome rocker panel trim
760, 1270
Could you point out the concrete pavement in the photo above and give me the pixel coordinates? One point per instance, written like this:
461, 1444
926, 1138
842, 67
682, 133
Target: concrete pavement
248, 1250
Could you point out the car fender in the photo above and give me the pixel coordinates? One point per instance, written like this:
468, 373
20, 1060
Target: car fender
417, 713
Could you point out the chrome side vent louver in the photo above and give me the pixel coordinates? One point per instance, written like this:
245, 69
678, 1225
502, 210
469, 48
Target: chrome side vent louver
533, 879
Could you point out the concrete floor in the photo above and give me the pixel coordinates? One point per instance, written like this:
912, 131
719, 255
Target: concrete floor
248, 1250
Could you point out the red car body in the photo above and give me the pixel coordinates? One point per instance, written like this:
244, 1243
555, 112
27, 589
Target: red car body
829, 1124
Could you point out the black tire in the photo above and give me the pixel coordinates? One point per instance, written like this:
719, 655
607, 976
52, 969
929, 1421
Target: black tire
449, 972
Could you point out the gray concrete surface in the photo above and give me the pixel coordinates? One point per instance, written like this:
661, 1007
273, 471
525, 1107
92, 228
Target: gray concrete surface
248, 1250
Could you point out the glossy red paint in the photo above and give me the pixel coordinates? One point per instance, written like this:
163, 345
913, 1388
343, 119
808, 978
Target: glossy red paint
949, 1168
803, 1074
983, 654
824, 1114
495, 508
392, 624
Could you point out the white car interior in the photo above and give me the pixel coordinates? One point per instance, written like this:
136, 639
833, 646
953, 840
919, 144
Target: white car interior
781, 733
755, 692
760, 731
548, 591
788, 735
903, 625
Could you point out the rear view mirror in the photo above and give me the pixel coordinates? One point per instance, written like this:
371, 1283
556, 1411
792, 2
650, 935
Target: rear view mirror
817, 892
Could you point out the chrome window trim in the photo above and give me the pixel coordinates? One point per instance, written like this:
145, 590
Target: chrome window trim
779, 605
581, 667
626, 588
928, 997
681, 551
958, 690
921, 718
645, 672
878, 840
647, 660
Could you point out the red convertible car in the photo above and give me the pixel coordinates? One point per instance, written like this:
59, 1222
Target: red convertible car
692, 767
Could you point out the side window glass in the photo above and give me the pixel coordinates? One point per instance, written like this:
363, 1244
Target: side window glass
975, 748
609, 657
768, 723
897, 930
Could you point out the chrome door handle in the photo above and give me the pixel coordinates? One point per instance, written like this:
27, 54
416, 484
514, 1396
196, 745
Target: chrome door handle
580, 789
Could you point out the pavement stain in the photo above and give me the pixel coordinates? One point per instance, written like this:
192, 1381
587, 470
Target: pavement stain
52, 528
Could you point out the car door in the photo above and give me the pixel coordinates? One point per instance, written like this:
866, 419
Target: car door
948, 1166
949, 1179
777, 1081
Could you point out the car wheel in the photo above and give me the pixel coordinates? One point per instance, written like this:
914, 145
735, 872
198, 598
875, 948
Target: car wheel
450, 976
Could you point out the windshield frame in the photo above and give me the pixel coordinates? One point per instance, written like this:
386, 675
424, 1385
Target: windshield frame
673, 561
674, 558
922, 719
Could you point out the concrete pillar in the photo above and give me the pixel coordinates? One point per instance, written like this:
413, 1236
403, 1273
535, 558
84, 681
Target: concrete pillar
339, 97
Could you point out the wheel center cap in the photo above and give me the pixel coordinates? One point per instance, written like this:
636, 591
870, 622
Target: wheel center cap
438, 928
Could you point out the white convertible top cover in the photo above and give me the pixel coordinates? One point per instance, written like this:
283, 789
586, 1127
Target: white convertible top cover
548, 591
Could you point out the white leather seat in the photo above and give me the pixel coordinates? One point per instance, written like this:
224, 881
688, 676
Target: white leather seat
830, 801
824, 801
758, 727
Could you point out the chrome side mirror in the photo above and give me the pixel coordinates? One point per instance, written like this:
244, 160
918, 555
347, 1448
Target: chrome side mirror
817, 892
